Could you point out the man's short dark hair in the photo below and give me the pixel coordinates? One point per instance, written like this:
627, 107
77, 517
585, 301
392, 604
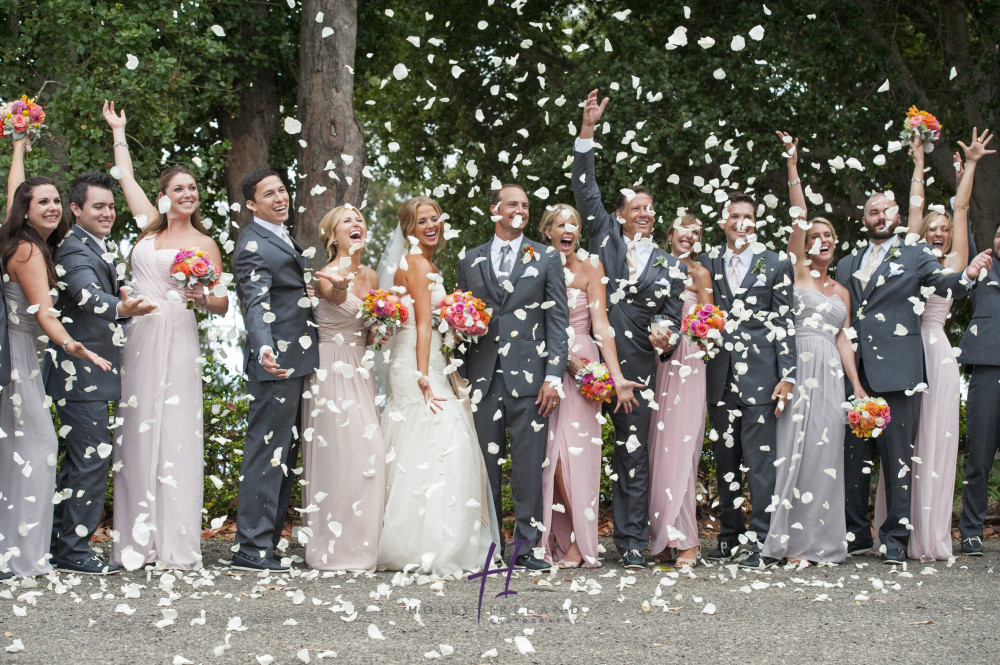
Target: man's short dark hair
622, 199
84, 181
737, 197
495, 197
250, 182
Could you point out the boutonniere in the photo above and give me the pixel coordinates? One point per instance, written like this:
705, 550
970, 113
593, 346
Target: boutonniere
528, 254
760, 267
893, 254
660, 261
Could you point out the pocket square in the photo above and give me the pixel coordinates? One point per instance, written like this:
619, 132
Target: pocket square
895, 269
531, 271
663, 281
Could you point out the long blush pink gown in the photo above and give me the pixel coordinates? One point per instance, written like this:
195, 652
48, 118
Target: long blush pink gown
678, 431
575, 445
935, 451
159, 453
342, 453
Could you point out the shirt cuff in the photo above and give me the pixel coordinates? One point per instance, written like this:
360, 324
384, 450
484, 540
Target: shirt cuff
118, 312
260, 354
553, 380
583, 145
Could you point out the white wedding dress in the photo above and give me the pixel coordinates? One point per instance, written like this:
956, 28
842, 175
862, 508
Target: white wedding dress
439, 516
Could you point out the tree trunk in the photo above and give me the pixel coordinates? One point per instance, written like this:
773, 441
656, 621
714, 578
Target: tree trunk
331, 161
249, 132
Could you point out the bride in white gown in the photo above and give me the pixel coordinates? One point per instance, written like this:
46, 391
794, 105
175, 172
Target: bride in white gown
439, 516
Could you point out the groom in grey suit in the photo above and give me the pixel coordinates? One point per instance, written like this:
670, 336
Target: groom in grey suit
885, 278
643, 282
517, 366
92, 306
280, 352
748, 381
981, 356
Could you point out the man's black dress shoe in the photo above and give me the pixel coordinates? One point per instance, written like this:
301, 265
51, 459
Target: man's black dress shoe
893, 555
723, 552
757, 562
858, 548
243, 561
972, 546
634, 560
92, 566
530, 562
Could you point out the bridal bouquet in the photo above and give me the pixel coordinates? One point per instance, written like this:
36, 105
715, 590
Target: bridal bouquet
595, 381
21, 118
192, 267
383, 312
462, 318
704, 326
867, 416
923, 125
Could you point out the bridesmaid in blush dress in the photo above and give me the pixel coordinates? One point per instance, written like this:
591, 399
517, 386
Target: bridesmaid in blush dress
342, 455
935, 451
28, 446
571, 474
808, 524
678, 426
158, 456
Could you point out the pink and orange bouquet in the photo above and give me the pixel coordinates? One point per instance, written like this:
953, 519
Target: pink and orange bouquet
382, 311
192, 267
21, 118
867, 416
923, 125
462, 318
595, 381
705, 325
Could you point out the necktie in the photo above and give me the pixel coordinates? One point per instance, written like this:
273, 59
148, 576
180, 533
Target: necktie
869, 267
506, 261
734, 272
632, 261
286, 238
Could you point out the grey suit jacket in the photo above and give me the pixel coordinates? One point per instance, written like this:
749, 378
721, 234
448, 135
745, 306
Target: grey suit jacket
88, 304
981, 342
527, 330
761, 349
889, 343
631, 308
270, 282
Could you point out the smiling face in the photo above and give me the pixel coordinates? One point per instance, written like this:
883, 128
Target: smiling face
182, 191
97, 214
562, 229
938, 234
821, 242
637, 214
881, 215
427, 228
270, 200
350, 232
45, 210
510, 214
685, 238
737, 223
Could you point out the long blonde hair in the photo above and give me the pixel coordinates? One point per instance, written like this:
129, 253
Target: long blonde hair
925, 228
328, 226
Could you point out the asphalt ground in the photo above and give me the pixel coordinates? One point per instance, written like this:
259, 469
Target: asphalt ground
862, 611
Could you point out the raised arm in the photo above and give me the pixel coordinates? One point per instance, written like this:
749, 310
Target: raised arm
797, 249
16, 175
27, 268
585, 190
138, 203
915, 218
976, 150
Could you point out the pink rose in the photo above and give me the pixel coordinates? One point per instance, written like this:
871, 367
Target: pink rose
20, 123
916, 121
853, 417
700, 328
199, 268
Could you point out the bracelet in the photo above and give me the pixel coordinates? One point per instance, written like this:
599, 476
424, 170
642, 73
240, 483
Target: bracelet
66, 343
797, 181
917, 180
119, 143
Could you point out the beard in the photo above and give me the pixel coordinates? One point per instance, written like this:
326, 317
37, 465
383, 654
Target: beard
875, 234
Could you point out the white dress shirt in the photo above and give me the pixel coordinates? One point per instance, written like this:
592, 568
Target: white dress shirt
882, 250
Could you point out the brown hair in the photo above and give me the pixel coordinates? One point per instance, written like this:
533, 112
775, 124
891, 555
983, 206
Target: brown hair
328, 226
552, 213
687, 220
17, 229
925, 227
407, 215
624, 198
737, 197
152, 228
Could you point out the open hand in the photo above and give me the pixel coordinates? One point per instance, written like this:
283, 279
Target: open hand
130, 307
433, 403
114, 120
624, 393
790, 145
780, 395
592, 112
336, 279
78, 350
271, 366
976, 149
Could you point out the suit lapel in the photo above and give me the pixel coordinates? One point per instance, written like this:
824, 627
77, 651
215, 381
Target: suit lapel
519, 267
486, 266
719, 268
882, 269
275, 240
751, 276
649, 271
91, 244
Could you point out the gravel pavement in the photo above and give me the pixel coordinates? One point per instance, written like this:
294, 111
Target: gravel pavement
859, 612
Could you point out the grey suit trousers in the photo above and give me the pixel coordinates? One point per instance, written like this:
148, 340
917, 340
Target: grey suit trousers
982, 439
